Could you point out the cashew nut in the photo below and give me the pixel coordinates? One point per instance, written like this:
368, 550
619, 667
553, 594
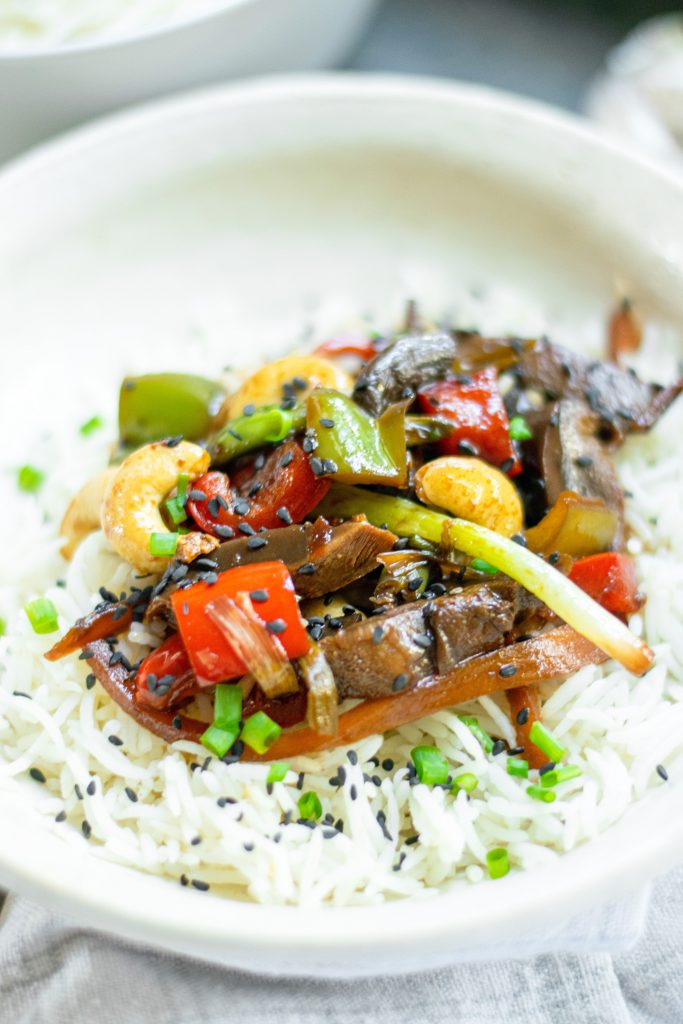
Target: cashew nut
471, 489
265, 386
83, 514
130, 513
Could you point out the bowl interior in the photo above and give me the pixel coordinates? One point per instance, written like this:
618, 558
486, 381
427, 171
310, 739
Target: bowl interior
232, 225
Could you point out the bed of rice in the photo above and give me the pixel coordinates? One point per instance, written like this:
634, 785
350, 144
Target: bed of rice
171, 811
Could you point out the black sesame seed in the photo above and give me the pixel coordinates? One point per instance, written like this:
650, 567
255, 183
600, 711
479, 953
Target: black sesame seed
254, 543
400, 682
554, 557
198, 884
523, 716
248, 847
20, 693
378, 634
91, 787
498, 747
423, 640
276, 626
246, 529
411, 840
353, 758
258, 595
315, 632
285, 515
438, 589
255, 488
286, 459
353, 792
414, 583
226, 532
241, 507
299, 383
329, 833
184, 880
507, 465
36, 774
547, 767
195, 841
583, 461
90, 681
249, 409
387, 764
514, 751
309, 444
86, 829
116, 741
519, 538
177, 722
197, 495
260, 461
325, 421
300, 781
316, 465
78, 791
60, 817
173, 442
506, 671
330, 466
85, 654
341, 773
119, 612
131, 794
662, 772
467, 448
307, 569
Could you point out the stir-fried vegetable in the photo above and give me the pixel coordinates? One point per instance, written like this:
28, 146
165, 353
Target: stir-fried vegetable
352, 447
323, 699
225, 640
268, 424
575, 526
610, 579
162, 405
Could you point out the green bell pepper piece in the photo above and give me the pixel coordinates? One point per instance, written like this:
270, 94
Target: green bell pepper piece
266, 425
160, 405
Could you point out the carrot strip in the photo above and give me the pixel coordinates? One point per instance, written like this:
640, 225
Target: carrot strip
520, 697
96, 625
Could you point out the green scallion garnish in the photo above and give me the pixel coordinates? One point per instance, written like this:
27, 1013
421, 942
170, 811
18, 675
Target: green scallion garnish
183, 481
557, 775
498, 862
260, 732
3, 626
309, 806
90, 426
277, 772
518, 766
29, 478
219, 738
520, 429
467, 782
227, 705
176, 510
481, 565
42, 615
431, 766
163, 545
542, 738
472, 723
538, 793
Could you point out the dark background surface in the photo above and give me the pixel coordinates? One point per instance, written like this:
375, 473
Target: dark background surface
548, 49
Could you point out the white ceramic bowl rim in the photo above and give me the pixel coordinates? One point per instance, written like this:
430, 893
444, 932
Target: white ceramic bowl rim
112, 42
173, 918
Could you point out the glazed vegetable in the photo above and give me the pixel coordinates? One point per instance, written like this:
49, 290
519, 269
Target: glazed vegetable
574, 526
323, 699
96, 625
541, 579
362, 348
165, 678
399, 370
476, 408
282, 492
219, 641
610, 579
549, 656
427, 429
352, 446
162, 405
268, 424
625, 331
525, 709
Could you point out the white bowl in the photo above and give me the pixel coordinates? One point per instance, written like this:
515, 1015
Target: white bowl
48, 90
234, 207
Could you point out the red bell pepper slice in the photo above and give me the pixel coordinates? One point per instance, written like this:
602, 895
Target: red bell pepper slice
476, 406
363, 348
610, 579
285, 482
274, 600
154, 687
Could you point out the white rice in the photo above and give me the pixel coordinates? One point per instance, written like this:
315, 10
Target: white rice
616, 728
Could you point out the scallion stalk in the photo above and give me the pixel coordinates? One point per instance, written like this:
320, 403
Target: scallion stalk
176, 511
431, 766
309, 806
557, 775
547, 796
520, 429
29, 478
467, 782
498, 862
277, 772
227, 704
42, 615
260, 732
90, 426
219, 738
518, 766
543, 738
163, 545
473, 725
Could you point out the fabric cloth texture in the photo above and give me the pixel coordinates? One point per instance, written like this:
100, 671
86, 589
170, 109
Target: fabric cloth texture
54, 971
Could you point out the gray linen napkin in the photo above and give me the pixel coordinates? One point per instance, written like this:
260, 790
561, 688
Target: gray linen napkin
54, 971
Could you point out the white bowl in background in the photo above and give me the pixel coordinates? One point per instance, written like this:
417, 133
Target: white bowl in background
227, 212
44, 91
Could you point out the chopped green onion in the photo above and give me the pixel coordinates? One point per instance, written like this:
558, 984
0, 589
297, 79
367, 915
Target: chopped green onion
42, 615
520, 429
29, 478
183, 481
431, 766
260, 732
176, 511
466, 781
472, 723
183, 529
498, 862
545, 741
481, 565
3, 627
538, 793
557, 775
518, 766
277, 772
227, 705
219, 738
310, 807
90, 426
163, 545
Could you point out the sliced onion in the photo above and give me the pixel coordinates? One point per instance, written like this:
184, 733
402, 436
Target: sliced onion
323, 699
261, 651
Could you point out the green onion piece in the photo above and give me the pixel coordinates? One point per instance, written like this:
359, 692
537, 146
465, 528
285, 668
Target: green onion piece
90, 426
431, 766
163, 545
538, 793
558, 775
29, 478
268, 424
466, 781
183, 481
518, 766
542, 738
260, 732
219, 738
3, 627
309, 806
183, 529
227, 705
520, 429
481, 565
176, 511
498, 862
472, 723
42, 615
277, 772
